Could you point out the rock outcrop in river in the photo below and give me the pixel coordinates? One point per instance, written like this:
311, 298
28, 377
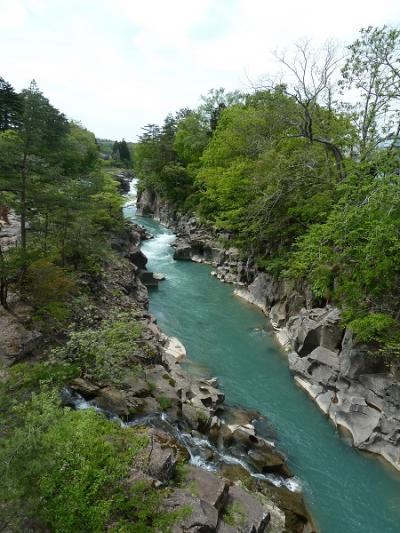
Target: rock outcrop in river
359, 393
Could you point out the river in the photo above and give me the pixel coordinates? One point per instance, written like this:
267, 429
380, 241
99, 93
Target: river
345, 490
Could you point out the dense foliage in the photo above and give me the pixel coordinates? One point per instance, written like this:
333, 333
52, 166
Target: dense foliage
102, 353
68, 471
50, 176
305, 182
63, 470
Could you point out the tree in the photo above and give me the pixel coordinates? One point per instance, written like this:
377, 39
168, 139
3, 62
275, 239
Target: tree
215, 102
311, 72
29, 155
154, 151
191, 138
50, 175
121, 152
10, 263
124, 152
10, 106
373, 69
354, 257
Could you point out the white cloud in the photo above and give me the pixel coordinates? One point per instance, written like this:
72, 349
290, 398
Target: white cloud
12, 13
118, 65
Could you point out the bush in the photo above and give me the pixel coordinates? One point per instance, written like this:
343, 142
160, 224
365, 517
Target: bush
48, 287
68, 471
372, 327
103, 353
165, 403
25, 378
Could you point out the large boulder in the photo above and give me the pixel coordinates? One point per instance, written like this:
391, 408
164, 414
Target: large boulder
146, 202
201, 516
203, 395
325, 356
354, 358
117, 402
264, 291
84, 387
175, 349
358, 418
244, 512
207, 486
312, 328
183, 252
138, 258
278, 314
243, 440
161, 462
136, 384
147, 278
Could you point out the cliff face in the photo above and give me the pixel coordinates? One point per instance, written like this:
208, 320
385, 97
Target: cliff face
150, 204
351, 386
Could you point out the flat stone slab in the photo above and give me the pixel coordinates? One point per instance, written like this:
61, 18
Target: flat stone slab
175, 348
202, 517
325, 356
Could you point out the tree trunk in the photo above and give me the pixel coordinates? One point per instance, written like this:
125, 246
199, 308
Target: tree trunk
337, 154
3, 282
23, 204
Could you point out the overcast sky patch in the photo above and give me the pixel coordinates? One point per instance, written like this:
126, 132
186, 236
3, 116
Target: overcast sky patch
118, 65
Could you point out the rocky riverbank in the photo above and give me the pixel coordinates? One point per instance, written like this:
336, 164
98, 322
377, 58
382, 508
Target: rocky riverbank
210, 463
357, 391
241, 482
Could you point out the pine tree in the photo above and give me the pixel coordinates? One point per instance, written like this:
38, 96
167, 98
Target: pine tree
30, 154
10, 106
124, 152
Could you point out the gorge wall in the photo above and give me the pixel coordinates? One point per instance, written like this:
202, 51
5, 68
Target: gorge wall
355, 389
196, 443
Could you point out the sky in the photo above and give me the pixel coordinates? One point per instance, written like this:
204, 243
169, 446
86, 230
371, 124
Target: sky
117, 65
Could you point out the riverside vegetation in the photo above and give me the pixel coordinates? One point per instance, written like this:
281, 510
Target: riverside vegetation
76, 333
303, 183
292, 193
61, 469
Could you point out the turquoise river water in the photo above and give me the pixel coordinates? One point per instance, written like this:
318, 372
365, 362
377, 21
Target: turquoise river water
345, 490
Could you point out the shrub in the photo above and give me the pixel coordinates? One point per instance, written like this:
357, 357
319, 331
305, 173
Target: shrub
372, 327
234, 515
48, 287
165, 403
104, 352
68, 471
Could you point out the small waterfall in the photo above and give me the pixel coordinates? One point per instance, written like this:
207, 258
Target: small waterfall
202, 452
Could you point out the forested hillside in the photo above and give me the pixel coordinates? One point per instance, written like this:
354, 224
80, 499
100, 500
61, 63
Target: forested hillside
50, 177
63, 317
303, 173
